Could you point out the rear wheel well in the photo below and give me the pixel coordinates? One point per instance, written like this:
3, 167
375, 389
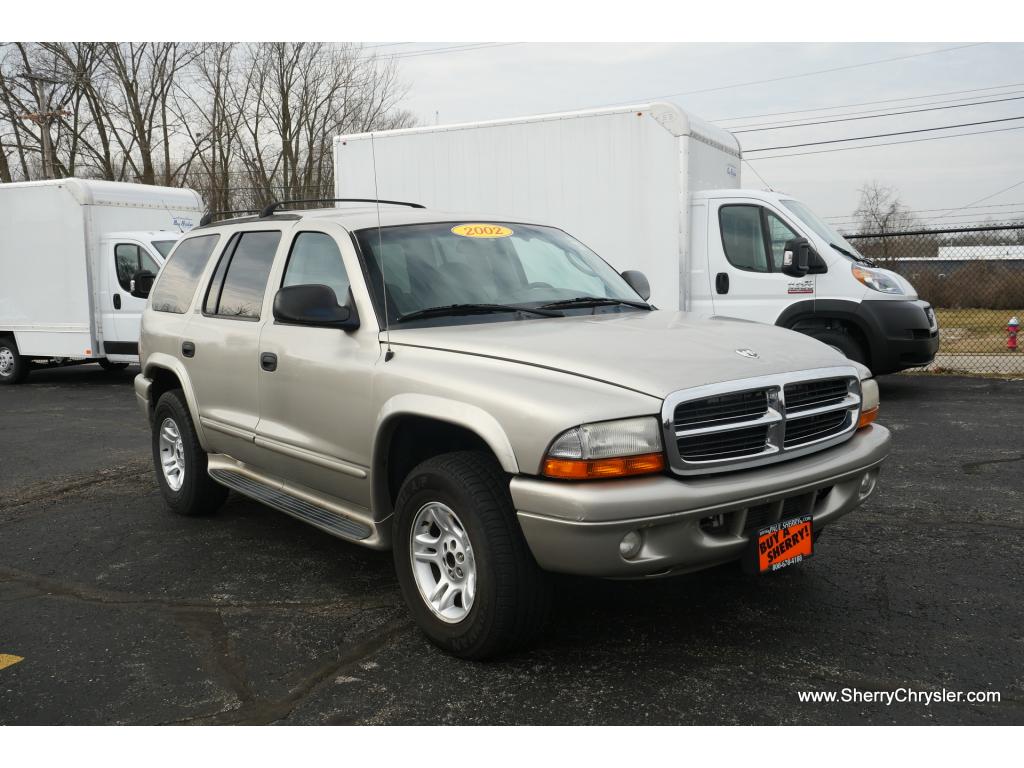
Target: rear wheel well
413, 440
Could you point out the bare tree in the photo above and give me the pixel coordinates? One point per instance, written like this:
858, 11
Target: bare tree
881, 211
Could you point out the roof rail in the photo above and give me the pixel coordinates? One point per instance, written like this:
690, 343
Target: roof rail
269, 210
208, 216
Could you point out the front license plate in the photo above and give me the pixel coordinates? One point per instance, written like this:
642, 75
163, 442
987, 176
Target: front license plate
786, 542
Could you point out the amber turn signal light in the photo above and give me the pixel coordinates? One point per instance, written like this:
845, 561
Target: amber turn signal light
596, 469
866, 417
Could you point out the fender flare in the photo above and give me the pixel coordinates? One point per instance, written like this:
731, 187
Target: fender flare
170, 363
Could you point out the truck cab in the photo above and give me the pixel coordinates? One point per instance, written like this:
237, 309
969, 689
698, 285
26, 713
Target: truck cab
752, 242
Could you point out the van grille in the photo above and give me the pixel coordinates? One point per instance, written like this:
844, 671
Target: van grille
757, 421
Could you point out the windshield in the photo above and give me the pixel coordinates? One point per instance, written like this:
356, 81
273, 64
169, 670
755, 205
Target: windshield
427, 266
163, 247
823, 230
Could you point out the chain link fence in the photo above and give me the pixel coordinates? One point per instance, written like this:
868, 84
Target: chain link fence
974, 278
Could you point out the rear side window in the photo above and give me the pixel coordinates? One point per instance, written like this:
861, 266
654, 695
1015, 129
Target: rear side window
240, 281
174, 290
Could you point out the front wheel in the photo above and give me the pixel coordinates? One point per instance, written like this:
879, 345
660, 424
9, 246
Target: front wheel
13, 367
106, 365
181, 461
465, 569
844, 342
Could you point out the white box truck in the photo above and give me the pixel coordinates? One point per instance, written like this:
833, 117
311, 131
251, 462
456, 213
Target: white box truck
653, 188
69, 250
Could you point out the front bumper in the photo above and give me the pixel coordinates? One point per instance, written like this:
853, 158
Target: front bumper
904, 334
576, 527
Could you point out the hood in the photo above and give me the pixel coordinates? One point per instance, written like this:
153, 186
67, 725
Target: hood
655, 353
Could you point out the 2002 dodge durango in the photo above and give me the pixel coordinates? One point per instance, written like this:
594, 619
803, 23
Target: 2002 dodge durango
493, 402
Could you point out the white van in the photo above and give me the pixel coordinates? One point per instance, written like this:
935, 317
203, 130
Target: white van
69, 250
655, 188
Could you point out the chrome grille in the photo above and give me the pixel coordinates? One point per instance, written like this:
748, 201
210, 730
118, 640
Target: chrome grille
744, 423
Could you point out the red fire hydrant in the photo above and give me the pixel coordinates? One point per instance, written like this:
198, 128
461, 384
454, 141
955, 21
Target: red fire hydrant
1011, 333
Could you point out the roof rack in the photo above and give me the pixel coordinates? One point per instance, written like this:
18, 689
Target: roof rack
209, 215
269, 210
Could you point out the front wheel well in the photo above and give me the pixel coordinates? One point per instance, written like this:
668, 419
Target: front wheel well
411, 440
164, 380
812, 326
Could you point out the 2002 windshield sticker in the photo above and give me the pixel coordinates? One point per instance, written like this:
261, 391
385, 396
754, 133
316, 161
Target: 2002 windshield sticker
481, 230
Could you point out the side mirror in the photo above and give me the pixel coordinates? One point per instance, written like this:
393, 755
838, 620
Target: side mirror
796, 257
638, 282
141, 284
314, 305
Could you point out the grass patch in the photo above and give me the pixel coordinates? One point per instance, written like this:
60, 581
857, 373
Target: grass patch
976, 331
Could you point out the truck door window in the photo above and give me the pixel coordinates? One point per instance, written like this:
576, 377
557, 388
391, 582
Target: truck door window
778, 234
743, 237
177, 283
316, 260
240, 280
129, 258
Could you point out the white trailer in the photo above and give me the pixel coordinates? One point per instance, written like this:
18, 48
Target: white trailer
69, 249
653, 188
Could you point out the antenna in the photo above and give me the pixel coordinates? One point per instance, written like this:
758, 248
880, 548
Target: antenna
389, 353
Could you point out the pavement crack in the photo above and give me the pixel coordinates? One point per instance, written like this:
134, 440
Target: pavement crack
54, 489
222, 660
975, 467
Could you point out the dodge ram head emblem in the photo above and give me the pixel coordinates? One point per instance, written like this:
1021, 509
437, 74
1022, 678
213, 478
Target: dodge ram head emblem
747, 353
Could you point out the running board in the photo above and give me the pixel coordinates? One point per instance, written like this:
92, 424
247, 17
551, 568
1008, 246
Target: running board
321, 517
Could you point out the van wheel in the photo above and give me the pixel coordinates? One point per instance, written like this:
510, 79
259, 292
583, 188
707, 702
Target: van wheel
181, 461
465, 570
13, 367
106, 365
845, 342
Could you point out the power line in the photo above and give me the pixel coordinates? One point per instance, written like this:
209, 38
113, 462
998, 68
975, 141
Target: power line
865, 103
870, 117
889, 144
886, 135
988, 197
449, 49
844, 217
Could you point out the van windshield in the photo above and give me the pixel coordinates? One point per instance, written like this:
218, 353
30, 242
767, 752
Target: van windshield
823, 230
485, 270
164, 247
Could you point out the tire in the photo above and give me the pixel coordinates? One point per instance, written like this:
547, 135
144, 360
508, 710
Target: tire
191, 491
13, 367
106, 365
845, 342
512, 597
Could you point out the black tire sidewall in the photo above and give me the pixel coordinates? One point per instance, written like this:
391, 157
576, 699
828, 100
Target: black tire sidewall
190, 498
846, 343
430, 483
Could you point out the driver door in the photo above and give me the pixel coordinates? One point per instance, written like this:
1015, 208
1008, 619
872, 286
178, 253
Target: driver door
745, 263
122, 312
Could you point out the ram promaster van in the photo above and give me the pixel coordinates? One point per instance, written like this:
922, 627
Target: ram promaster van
654, 188
69, 252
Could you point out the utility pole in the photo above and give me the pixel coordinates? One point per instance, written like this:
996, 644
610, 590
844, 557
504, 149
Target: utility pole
43, 118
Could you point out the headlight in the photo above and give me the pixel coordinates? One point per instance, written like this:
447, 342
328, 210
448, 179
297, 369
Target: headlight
606, 449
868, 402
876, 279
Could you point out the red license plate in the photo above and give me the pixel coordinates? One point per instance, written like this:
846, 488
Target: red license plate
786, 542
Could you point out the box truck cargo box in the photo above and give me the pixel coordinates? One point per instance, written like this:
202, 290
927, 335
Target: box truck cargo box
652, 188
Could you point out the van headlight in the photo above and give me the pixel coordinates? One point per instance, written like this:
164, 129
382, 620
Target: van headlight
606, 449
876, 279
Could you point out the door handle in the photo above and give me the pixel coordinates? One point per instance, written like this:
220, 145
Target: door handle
722, 282
117, 301
188, 349
268, 361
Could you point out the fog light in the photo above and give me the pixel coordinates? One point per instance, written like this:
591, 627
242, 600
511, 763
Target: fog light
867, 483
630, 545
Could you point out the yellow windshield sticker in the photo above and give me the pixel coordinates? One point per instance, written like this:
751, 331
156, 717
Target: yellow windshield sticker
481, 230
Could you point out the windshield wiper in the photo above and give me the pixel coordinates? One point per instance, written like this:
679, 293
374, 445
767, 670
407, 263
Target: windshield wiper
593, 301
852, 255
472, 309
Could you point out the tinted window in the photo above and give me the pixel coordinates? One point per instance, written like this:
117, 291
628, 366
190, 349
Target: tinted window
779, 234
164, 246
743, 238
316, 260
129, 258
245, 269
176, 286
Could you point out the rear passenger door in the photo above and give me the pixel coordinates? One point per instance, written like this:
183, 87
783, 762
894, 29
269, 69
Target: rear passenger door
220, 345
316, 397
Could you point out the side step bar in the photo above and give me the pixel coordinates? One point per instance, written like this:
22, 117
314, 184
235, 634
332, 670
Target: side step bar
281, 500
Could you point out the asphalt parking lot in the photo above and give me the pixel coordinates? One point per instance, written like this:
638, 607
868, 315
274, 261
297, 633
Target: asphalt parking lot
124, 613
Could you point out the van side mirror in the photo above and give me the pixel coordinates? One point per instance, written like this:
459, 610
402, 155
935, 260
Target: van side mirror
141, 284
315, 305
796, 257
638, 282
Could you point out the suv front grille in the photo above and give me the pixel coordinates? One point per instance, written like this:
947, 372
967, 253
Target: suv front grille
757, 421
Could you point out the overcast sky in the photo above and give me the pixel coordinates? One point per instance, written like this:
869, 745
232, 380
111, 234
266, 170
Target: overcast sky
509, 80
